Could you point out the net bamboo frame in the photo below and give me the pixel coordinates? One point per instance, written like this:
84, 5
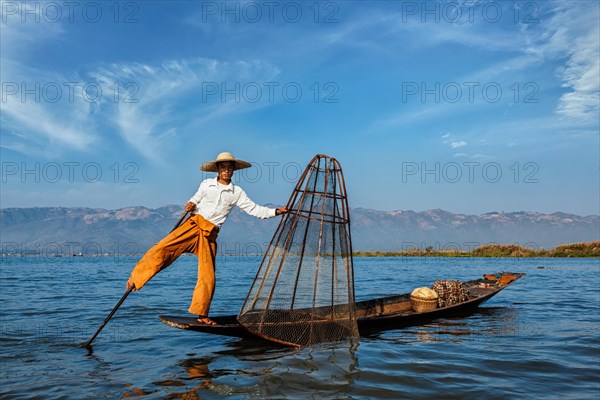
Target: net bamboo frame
303, 292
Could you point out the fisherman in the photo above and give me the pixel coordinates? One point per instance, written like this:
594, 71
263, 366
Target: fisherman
210, 207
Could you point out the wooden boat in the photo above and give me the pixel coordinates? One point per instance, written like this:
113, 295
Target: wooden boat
372, 315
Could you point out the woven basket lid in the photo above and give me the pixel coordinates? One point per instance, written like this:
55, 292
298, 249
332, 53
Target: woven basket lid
424, 293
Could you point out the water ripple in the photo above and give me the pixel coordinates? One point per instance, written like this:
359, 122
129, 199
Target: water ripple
537, 339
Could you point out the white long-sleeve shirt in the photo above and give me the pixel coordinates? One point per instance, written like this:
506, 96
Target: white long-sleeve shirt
214, 201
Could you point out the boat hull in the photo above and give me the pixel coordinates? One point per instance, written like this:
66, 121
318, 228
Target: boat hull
372, 315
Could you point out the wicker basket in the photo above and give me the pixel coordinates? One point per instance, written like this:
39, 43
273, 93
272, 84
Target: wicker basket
422, 305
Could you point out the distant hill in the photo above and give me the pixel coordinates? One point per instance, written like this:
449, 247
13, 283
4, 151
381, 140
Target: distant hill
132, 230
442, 230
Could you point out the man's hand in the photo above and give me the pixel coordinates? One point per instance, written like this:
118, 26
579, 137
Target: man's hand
130, 285
190, 206
282, 210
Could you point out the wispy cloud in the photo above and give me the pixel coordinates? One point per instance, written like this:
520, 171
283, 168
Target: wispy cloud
582, 76
40, 114
572, 34
148, 122
23, 31
47, 112
404, 26
566, 35
450, 140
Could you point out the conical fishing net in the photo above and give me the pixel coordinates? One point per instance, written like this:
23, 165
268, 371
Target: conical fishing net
303, 292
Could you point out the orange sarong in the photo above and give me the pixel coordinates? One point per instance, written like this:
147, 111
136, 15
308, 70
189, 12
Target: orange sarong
196, 235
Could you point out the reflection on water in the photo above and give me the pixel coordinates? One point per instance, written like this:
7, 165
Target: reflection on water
267, 372
136, 393
197, 368
198, 372
484, 324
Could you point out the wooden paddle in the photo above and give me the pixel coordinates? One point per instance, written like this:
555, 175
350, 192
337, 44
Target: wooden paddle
89, 342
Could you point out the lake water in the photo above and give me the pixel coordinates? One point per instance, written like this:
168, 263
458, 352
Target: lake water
539, 338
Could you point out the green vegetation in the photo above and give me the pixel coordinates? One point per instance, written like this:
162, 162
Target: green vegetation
584, 249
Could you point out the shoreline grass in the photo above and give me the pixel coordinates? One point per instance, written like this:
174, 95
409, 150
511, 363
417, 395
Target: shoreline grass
582, 249
572, 250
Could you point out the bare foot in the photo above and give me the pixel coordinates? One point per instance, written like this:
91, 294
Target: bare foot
130, 285
206, 321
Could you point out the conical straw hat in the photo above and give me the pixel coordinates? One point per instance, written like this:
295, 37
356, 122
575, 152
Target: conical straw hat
211, 166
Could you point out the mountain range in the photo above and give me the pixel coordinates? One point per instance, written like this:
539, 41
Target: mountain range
132, 230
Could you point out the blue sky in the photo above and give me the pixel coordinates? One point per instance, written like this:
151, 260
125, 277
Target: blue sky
470, 107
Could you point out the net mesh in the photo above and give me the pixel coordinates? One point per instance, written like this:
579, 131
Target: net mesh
303, 292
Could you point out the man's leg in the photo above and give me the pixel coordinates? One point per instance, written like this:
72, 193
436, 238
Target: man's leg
163, 253
205, 286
